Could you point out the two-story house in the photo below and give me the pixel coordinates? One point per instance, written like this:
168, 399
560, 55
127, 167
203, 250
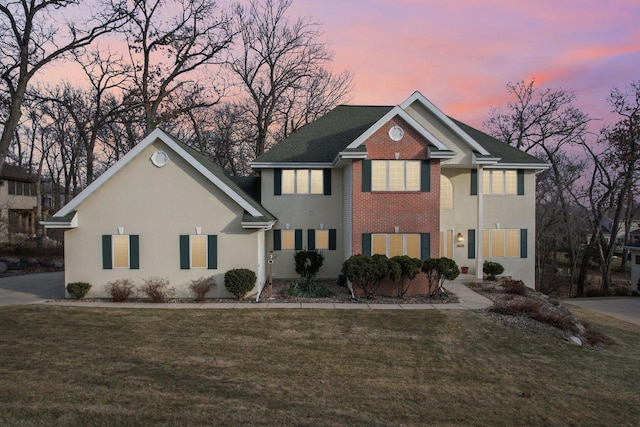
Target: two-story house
403, 179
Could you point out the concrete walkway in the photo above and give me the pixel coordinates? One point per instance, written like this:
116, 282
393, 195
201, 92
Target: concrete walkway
48, 288
469, 300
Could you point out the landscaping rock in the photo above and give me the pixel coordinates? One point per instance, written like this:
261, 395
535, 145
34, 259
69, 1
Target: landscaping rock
578, 329
17, 265
3, 267
575, 340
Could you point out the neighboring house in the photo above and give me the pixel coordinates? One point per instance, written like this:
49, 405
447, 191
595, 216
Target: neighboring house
18, 203
634, 253
607, 225
402, 179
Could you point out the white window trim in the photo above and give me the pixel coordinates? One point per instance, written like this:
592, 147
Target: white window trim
113, 251
404, 242
506, 241
387, 179
489, 181
206, 251
309, 183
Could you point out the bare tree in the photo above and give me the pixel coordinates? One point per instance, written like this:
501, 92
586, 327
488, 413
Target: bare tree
171, 43
31, 39
544, 123
275, 60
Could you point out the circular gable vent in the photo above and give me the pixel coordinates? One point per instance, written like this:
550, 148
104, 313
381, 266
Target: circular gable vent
396, 133
159, 158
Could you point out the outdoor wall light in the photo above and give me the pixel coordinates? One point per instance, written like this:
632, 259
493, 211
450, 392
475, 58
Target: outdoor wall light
459, 238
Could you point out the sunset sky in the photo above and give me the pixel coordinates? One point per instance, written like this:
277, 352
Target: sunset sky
461, 53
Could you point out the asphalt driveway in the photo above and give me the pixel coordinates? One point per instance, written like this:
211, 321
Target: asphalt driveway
623, 308
31, 288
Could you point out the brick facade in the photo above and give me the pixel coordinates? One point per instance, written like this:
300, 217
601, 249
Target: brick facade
382, 211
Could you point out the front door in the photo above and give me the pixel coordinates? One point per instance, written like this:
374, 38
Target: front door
446, 244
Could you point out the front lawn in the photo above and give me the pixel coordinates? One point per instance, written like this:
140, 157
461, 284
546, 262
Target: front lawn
82, 366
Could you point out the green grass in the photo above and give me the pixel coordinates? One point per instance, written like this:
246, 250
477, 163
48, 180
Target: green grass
81, 366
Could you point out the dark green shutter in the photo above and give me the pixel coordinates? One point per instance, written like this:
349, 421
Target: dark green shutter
366, 175
474, 182
425, 175
523, 243
298, 241
107, 262
277, 240
185, 262
311, 239
326, 181
332, 239
212, 251
471, 244
277, 182
134, 252
425, 246
520, 174
366, 244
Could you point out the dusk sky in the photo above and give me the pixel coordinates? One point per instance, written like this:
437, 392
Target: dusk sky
461, 53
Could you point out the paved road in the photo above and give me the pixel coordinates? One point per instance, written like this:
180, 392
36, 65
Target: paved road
31, 288
623, 308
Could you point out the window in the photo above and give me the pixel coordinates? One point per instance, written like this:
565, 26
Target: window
322, 239
120, 251
303, 181
287, 240
199, 251
637, 259
395, 175
396, 244
446, 193
500, 243
21, 188
500, 182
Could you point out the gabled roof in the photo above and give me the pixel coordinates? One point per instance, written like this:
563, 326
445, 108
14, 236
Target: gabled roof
342, 131
506, 153
213, 172
321, 140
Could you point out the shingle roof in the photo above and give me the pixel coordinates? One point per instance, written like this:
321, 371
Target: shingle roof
321, 141
497, 148
15, 173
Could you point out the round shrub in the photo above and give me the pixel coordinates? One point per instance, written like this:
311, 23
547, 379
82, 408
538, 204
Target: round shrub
239, 281
78, 289
308, 262
492, 269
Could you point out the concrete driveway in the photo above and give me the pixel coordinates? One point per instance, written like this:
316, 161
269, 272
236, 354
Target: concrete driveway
623, 308
31, 288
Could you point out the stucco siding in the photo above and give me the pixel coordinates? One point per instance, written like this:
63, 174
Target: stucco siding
159, 205
305, 212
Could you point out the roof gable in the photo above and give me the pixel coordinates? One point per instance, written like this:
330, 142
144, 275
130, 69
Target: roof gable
214, 173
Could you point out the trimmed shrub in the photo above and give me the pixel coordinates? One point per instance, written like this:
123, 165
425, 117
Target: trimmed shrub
409, 269
516, 287
78, 289
439, 270
492, 269
157, 289
120, 290
308, 263
307, 288
367, 272
201, 286
239, 281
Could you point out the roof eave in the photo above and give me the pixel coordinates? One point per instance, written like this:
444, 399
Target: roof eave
265, 225
290, 165
73, 223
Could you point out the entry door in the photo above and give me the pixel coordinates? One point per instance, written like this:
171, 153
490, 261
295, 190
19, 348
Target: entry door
446, 244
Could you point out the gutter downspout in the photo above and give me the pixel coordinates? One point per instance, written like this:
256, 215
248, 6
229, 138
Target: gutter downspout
479, 242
